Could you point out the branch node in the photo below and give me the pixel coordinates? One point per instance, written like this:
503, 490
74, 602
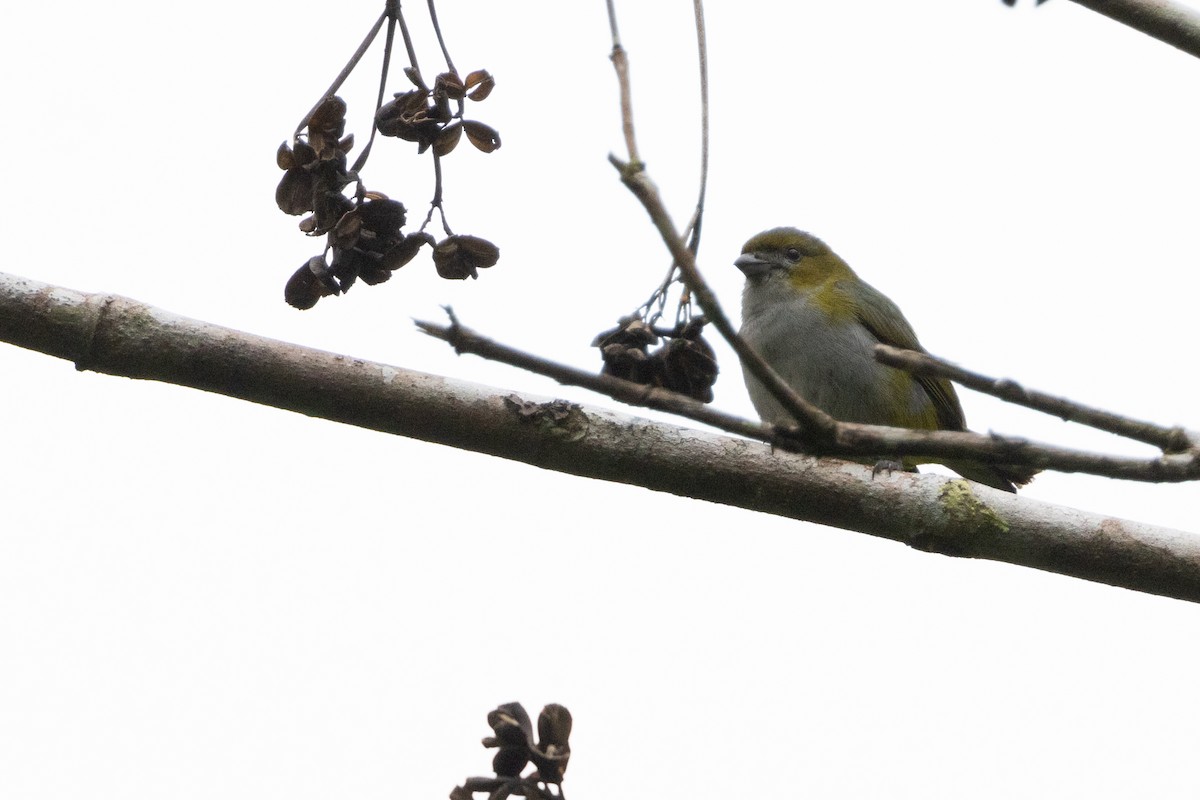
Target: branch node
1008, 389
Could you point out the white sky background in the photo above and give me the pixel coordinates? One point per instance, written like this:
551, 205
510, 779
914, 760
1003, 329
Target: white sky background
204, 598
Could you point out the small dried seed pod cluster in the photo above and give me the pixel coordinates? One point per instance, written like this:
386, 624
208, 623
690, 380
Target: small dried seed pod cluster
315, 171
516, 748
684, 363
424, 115
363, 233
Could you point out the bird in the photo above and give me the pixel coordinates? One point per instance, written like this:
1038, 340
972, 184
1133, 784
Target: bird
816, 323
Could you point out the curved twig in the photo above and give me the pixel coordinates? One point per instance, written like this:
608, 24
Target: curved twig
1167, 439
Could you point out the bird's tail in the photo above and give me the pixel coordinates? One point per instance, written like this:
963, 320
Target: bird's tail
1004, 477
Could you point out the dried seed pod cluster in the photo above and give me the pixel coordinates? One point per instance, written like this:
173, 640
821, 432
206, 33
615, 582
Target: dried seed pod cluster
315, 171
365, 240
684, 363
516, 748
424, 115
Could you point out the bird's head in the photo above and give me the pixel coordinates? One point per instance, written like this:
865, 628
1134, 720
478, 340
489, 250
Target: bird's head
800, 258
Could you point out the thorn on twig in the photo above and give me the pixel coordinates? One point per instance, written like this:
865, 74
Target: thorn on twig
453, 331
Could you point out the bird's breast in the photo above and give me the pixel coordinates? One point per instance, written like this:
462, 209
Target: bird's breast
828, 359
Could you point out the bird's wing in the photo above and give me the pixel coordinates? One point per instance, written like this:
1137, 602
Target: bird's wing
883, 319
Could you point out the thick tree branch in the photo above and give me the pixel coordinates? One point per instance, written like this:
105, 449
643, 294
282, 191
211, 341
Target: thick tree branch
1164, 20
118, 336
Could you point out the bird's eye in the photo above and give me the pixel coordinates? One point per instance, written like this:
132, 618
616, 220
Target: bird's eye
792, 254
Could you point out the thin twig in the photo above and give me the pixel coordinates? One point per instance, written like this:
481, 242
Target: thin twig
465, 340
345, 73
1167, 439
414, 67
620, 61
388, 43
852, 440
436, 202
697, 221
437, 29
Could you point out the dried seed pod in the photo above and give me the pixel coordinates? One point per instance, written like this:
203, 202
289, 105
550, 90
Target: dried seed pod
449, 85
509, 761
484, 137
383, 216
554, 725
479, 84
405, 250
309, 284
447, 139
623, 351
345, 266
630, 363
459, 257
407, 117
294, 195
328, 209
347, 230
689, 367
284, 157
632, 331
372, 272
511, 724
327, 124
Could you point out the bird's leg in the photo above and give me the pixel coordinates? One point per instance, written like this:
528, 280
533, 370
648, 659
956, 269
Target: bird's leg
888, 466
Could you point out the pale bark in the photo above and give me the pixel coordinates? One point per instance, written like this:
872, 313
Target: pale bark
118, 336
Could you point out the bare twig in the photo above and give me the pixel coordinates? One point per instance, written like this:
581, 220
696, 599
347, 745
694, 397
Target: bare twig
436, 202
437, 29
414, 68
620, 61
1169, 440
346, 70
388, 43
851, 440
695, 225
865, 440
465, 340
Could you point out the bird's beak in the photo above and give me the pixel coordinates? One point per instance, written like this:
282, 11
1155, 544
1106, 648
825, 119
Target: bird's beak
752, 265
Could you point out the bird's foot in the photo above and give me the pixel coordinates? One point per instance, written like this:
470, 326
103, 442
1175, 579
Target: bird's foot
886, 466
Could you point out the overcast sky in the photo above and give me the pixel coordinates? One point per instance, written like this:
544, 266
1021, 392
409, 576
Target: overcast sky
203, 598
